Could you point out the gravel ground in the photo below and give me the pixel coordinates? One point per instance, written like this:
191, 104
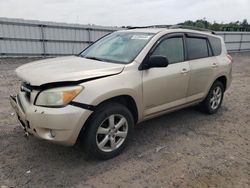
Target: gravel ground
181, 149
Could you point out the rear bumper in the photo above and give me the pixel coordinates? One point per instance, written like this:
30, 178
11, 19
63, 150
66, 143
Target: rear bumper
58, 125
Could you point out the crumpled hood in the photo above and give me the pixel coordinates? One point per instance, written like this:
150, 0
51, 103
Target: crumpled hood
71, 68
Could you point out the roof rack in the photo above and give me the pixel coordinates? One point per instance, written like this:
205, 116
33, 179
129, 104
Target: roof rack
149, 26
179, 26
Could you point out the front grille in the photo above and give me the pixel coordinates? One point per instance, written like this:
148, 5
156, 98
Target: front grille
20, 103
27, 89
27, 96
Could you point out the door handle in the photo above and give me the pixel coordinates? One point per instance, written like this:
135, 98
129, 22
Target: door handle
214, 65
184, 70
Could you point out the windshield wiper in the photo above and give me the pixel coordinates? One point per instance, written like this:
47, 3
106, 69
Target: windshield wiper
94, 58
102, 59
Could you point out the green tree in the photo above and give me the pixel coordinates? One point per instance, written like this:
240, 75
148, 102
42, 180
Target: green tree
244, 23
231, 26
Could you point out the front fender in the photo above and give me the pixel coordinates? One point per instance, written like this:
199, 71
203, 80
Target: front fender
98, 91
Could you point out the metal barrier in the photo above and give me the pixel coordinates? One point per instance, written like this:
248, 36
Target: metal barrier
35, 38
236, 41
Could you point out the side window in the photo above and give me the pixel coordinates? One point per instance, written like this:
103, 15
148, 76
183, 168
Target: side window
171, 48
197, 48
216, 45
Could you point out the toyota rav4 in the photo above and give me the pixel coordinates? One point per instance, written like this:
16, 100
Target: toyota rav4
120, 80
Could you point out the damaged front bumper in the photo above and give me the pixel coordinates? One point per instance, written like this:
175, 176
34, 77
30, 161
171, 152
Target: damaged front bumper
20, 115
58, 125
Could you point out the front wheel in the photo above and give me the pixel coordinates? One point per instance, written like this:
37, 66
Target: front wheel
214, 99
108, 131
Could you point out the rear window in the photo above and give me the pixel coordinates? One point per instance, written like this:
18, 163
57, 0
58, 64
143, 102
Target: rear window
197, 48
216, 45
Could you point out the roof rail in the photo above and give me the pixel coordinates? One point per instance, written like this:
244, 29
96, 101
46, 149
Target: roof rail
149, 26
179, 26
191, 27
135, 27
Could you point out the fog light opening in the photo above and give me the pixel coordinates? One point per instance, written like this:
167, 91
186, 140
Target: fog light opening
52, 133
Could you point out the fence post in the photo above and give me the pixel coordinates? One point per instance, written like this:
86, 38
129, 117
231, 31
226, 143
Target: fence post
241, 36
43, 40
89, 35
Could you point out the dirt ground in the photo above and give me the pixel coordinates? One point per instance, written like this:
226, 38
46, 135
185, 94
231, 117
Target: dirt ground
181, 149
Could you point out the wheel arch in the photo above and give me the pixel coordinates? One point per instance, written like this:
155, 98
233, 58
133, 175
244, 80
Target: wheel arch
126, 100
223, 80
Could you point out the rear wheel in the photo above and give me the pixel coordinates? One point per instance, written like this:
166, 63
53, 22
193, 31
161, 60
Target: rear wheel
214, 99
108, 131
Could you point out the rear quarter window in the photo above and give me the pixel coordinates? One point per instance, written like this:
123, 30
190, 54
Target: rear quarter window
216, 45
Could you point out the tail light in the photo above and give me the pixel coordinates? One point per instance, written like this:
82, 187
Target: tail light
230, 58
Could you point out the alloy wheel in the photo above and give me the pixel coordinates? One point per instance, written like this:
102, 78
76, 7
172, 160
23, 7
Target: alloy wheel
112, 133
216, 98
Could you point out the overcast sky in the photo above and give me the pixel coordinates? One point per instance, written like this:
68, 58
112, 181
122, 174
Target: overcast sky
126, 12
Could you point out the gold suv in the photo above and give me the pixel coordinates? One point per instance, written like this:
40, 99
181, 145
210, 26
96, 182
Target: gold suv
122, 79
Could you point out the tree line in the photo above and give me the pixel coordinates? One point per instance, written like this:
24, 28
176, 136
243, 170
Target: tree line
232, 26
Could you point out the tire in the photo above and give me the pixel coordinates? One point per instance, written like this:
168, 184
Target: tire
108, 131
213, 101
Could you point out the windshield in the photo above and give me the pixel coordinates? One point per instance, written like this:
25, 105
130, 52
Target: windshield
118, 47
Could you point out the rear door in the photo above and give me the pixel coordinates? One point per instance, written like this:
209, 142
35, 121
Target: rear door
166, 87
202, 66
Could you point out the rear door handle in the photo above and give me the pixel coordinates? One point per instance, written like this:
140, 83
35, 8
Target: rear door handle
214, 65
184, 70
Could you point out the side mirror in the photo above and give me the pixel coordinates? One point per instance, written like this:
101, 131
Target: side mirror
156, 61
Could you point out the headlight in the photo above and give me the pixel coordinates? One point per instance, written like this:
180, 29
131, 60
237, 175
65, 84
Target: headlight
58, 97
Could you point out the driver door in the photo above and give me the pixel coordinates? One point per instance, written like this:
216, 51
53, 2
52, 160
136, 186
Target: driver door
166, 87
